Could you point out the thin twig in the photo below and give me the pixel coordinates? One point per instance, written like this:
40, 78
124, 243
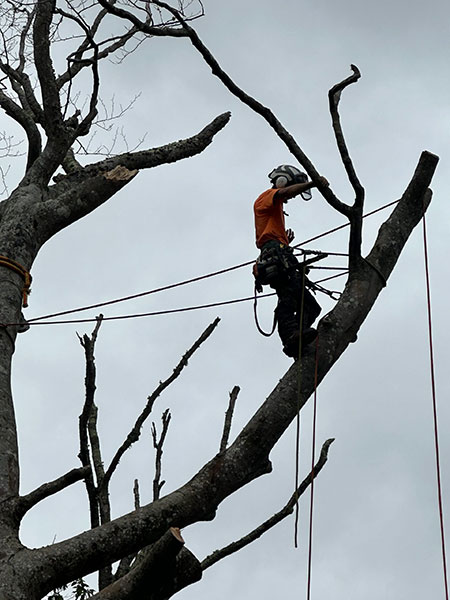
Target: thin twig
158, 445
228, 418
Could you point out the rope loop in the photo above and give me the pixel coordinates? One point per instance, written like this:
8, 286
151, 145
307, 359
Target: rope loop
18, 268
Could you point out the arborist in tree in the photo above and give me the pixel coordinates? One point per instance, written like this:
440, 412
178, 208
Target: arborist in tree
277, 265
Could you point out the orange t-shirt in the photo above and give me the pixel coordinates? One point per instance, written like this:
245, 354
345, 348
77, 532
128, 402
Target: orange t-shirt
269, 219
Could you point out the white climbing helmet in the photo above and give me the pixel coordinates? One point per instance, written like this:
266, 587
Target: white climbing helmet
288, 175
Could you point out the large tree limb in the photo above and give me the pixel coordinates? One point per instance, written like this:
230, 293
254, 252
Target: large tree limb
152, 157
248, 457
79, 193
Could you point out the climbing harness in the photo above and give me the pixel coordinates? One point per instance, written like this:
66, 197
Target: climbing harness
17, 268
275, 261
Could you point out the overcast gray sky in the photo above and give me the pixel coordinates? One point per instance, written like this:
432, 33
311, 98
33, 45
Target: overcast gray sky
376, 529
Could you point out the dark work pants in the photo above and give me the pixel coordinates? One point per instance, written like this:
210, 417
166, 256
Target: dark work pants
289, 289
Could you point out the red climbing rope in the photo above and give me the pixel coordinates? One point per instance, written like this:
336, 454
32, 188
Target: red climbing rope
435, 419
313, 452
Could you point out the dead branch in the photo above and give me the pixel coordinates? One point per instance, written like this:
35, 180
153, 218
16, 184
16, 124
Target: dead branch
334, 96
135, 433
114, 44
228, 418
102, 492
25, 503
44, 66
22, 86
144, 26
97, 493
158, 446
84, 126
21, 116
275, 519
69, 187
88, 343
260, 109
136, 494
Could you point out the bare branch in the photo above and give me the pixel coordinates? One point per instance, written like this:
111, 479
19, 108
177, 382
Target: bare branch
24, 119
355, 239
158, 444
136, 494
102, 492
81, 192
135, 433
22, 86
88, 343
153, 157
275, 519
259, 108
84, 126
142, 25
228, 418
334, 96
44, 66
25, 503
